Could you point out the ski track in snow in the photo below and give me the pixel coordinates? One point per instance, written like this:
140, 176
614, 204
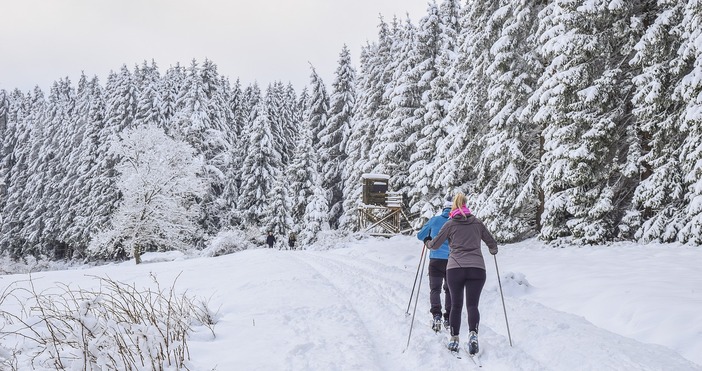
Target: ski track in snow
345, 309
358, 340
382, 305
544, 338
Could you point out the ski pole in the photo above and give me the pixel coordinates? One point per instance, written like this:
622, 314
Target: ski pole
421, 258
416, 300
503, 300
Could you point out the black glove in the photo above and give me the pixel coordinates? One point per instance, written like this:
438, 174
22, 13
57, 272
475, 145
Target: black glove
427, 239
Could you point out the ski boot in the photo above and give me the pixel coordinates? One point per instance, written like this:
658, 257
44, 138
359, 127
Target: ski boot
436, 324
453, 344
473, 343
446, 324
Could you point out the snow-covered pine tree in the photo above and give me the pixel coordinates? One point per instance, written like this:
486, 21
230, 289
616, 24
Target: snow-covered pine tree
426, 198
371, 109
450, 22
120, 100
220, 138
239, 141
172, 87
294, 111
42, 194
59, 180
581, 103
317, 104
70, 186
275, 104
390, 151
24, 115
654, 143
689, 90
316, 217
159, 181
150, 102
259, 169
89, 118
453, 167
5, 134
508, 199
194, 124
334, 136
301, 174
277, 217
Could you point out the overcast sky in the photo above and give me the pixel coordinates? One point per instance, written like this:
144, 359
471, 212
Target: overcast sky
258, 40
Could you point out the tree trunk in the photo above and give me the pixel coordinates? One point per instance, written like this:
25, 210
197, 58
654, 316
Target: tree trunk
137, 254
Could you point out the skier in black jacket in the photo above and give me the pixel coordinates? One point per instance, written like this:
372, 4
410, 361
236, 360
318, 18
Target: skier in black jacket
270, 240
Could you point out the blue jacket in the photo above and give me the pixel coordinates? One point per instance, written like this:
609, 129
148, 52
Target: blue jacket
431, 229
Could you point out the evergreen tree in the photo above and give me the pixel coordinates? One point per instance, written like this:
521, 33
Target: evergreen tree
87, 172
453, 167
239, 142
316, 217
5, 133
654, 144
58, 179
280, 119
581, 102
334, 136
23, 116
372, 108
172, 88
150, 102
293, 112
277, 217
121, 96
391, 147
317, 104
689, 91
259, 170
196, 126
302, 175
508, 198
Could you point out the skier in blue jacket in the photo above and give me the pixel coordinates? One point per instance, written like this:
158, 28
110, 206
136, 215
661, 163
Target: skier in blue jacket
437, 268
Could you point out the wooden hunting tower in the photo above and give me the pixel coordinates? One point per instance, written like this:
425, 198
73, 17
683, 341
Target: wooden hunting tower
380, 213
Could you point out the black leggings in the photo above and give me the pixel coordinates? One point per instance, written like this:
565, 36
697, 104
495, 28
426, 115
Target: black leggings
472, 281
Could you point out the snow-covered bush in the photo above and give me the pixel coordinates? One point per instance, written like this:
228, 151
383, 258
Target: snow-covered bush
29, 263
116, 327
227, 242
333, 239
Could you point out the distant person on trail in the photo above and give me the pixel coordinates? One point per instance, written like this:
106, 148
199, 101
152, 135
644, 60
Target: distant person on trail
465, 271
270, 240
437, 267
292, 238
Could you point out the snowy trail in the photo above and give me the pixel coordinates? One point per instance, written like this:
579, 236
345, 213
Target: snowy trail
556, 340
345, 309
358, 337
385, 293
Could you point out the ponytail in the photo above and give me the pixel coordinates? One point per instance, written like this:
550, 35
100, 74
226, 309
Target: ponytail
459, 201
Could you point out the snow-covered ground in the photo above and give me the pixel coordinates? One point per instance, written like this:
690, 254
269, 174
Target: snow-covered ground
619, 307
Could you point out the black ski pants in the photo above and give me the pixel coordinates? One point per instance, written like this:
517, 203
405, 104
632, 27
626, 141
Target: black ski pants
437, 279
470, 281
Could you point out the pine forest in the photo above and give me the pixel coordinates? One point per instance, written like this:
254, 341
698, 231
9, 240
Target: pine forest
577, 122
